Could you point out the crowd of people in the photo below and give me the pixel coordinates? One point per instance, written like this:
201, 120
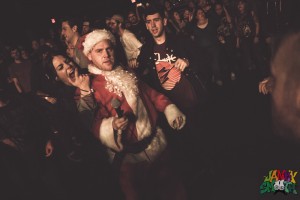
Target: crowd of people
106, 108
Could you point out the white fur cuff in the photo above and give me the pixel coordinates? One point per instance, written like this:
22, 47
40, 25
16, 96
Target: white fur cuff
106, 134
171, 113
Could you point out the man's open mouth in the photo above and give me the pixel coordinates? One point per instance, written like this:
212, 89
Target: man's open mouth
154, 30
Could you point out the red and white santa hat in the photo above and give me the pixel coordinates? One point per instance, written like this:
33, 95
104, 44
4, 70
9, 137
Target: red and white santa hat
95, 37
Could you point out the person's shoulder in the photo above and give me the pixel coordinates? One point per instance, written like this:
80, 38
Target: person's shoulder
181, 39
96, 78
12, 63
93, 76
128, 34
28, 62
80, 41
148, 45
127, 31
12, 67
214, 20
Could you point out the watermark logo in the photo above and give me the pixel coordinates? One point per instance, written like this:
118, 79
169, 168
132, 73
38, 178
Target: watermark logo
279, 181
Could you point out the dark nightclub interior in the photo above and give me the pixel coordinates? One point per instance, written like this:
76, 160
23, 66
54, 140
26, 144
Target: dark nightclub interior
236, 144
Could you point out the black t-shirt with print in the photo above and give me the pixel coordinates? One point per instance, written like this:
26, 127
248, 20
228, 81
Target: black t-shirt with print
174, 83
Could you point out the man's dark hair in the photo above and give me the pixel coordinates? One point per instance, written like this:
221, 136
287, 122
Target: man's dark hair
15, 47
48, 66
99, 24
131, 12
199, 8
73, 21
151, 10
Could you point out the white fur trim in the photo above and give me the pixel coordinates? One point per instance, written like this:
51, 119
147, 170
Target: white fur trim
171, 113
132, 46
106, 134
121, 82
142, 124
95, 37
118, 80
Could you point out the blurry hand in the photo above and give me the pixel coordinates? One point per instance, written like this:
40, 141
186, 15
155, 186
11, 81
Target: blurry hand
178, 123
82, 81
10, 143
51, 100
120, 123
181, 64
132, 63
49, 148
265, 86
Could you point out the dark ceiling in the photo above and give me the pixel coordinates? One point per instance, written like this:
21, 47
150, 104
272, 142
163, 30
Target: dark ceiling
21, 17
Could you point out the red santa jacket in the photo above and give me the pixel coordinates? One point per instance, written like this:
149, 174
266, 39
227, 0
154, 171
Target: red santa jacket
139, 102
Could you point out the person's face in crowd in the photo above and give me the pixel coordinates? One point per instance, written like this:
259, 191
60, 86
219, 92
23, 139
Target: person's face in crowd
219, 9
202, 3
241, 6
225, 2
107, 22
186, 14
67, 32
64, 68
85, 27
168, 5
191, 5
25, 54
176, 16
70, 50
132, 18
42, 41
103, 55
155, 24
200, 14
114, 26
127, 25
15, 54
35, 45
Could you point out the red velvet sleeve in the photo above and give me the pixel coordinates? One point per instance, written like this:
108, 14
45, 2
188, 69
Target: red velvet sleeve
159, 100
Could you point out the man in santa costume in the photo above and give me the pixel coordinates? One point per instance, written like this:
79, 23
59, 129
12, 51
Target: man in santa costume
126, 123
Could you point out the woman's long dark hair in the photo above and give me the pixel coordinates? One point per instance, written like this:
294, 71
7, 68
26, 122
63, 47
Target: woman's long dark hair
55, 85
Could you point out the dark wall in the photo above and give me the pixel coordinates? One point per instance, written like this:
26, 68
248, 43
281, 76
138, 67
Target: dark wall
23, 19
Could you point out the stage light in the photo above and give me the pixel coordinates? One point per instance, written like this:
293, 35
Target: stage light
53, 21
